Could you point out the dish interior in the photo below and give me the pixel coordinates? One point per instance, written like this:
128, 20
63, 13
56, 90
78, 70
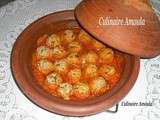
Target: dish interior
72, 65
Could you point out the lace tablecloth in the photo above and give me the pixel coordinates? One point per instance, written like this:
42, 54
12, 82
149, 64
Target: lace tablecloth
14, 17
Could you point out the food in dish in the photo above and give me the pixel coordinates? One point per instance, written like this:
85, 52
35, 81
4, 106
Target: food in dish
72, 65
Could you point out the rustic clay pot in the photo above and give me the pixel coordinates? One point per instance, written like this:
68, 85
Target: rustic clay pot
21, 69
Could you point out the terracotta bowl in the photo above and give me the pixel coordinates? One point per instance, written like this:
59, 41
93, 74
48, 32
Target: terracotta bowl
21, 69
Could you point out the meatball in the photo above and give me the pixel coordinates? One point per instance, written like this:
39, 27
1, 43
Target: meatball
90, 70
43, 52
68, 36
73, 58
90, 57
53, 80
58, 52
65, 90
97, 45
53, 41
98, 86
61, 66
84, 37
45, 66
107, 71
74, 75
74, 46
81, 90
110, 73
106, 55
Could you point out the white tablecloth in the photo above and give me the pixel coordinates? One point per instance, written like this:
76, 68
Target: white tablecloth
14, 17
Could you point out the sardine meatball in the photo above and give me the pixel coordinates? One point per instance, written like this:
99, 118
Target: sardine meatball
106, 55
110, 73
61, 66
107, 70
84, 37
43, 52
45, 66
68, 36
53, 80
74, 46
74, 75
58, 52
73, 58
65, 90
53, 41
90, 57
98, 85
97, 45
81, 90
90, 70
